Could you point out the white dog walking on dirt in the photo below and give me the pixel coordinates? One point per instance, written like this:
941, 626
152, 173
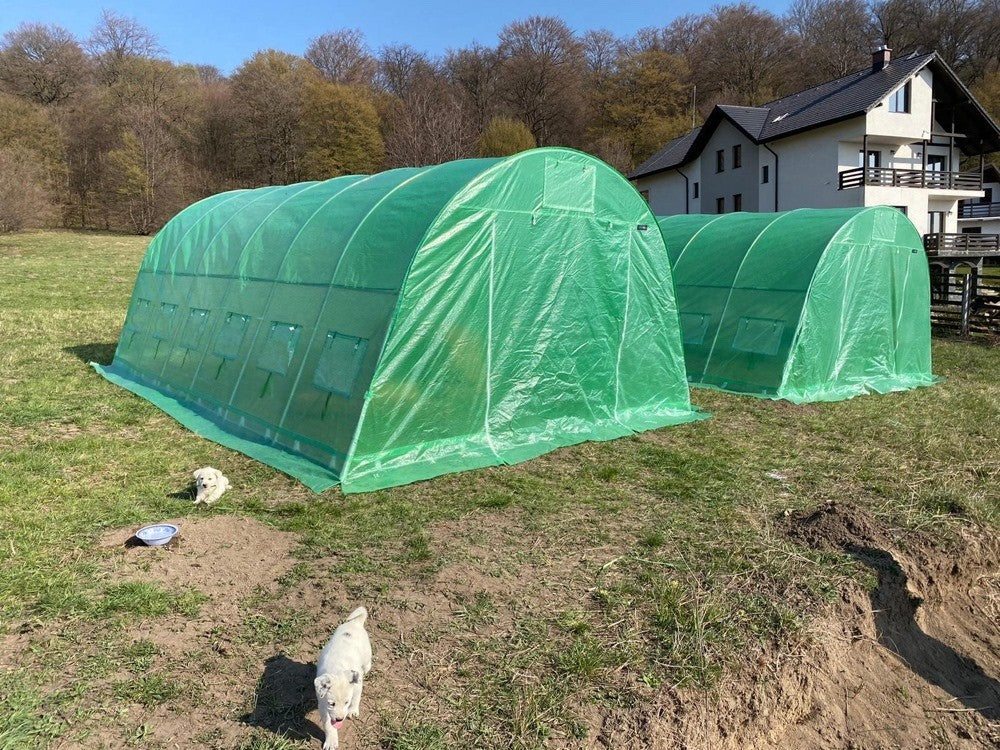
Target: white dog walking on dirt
340, 672
211, 483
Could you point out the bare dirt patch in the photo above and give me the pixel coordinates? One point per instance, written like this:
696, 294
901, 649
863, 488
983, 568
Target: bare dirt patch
912, 663
915, 661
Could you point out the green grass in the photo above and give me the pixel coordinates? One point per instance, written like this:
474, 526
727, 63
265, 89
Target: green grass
683, 575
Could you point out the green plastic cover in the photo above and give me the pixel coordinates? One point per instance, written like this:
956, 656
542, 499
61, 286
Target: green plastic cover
806, 305
384, 329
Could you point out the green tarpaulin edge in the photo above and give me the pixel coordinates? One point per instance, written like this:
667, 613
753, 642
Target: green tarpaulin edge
315, 477
414, 469
841, 392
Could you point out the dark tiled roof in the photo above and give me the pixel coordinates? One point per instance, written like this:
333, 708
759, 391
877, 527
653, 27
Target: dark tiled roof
837, 100
674, 153
824, 104
749, 119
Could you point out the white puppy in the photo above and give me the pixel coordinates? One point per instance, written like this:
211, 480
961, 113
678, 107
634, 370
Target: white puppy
211, 484
342, 665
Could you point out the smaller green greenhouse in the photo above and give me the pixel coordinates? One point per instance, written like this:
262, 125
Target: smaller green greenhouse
377, 330
806, 305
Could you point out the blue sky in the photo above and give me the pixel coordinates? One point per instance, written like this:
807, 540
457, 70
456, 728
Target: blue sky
225, 34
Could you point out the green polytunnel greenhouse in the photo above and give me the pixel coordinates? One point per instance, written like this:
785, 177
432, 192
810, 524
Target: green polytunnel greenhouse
805, 305
378, 330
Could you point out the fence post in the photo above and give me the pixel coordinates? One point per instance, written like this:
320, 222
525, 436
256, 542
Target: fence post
968, 293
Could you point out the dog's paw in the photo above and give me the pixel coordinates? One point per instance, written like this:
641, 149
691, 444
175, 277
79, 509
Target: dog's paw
354, 712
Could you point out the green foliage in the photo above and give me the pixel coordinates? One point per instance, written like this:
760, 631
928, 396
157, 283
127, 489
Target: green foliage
23, 722
643, 103
340, 131
505, 136
148, 690
144, 599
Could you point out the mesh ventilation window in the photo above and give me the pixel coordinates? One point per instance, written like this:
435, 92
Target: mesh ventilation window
569, 186
194, 328
339, 363
230, 338
279, 347
759, 335
694, 326
139, 319
165, 321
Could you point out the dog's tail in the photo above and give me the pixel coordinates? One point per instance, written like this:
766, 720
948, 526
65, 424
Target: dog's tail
360, 613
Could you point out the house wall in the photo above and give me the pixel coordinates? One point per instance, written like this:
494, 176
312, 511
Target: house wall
914, 125
743, 180
809, 164
665, 192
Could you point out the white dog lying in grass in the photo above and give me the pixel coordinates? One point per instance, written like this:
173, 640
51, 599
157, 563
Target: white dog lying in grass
211, 483
340, 671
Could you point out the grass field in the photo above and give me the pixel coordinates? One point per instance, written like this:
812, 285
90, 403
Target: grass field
647, 564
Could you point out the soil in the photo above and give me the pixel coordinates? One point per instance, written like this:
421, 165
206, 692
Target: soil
912, 663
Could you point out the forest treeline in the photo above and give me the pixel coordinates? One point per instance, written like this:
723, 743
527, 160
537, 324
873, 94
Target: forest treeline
106, 132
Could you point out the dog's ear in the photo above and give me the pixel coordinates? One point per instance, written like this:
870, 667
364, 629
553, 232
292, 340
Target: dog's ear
197, 474
355, 677
322, 683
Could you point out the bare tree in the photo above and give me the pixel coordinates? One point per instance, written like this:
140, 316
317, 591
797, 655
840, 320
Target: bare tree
343, 57
744, 56
476, 71
600, 50
117, 38
43, 63
428, 125
543, 75
268, 90
836, 37
398, 66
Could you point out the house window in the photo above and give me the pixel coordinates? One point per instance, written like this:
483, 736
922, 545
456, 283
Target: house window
737, 156
972, 230
988, 197
738, 202
765, 174
696, 190
935, 222
874, 159
720, 205
645, 195
936, 162
902, 209
900, 100
720, 160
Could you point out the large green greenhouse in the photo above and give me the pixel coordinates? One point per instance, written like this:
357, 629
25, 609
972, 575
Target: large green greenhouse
806, 305
378, 330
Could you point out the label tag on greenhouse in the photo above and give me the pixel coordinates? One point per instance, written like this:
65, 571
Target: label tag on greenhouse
642, 227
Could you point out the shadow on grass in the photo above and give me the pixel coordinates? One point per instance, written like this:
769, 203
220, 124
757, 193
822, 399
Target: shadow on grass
188, 493
897, 628
102, 354
285, 694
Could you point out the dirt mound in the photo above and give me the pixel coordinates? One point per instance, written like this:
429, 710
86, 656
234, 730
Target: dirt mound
913, 661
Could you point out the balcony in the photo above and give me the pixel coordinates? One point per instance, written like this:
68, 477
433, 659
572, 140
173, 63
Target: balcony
946, 244
978, 210
916, 178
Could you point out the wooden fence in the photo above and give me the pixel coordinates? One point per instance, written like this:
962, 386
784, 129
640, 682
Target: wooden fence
965, 301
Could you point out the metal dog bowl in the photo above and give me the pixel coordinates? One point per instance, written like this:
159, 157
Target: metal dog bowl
157, 534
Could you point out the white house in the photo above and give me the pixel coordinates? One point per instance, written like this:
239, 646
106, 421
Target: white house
892, 134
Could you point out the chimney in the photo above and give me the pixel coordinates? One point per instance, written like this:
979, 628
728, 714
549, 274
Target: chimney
880, 58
